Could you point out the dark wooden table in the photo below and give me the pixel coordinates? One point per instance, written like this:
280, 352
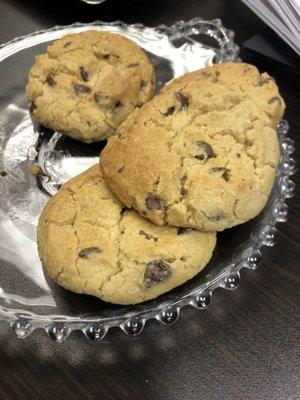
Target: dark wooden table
243, 346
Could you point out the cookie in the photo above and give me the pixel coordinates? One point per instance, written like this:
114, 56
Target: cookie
89, 243
201, 154
88, 83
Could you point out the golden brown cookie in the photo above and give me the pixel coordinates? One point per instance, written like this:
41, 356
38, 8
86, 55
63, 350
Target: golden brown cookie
89, 243
201, 154
88, 83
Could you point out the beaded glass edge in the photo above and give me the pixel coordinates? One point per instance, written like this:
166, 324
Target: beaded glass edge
58, 327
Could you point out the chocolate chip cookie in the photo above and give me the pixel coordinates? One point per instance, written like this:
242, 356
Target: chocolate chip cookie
90, 243
88, 83
203, 153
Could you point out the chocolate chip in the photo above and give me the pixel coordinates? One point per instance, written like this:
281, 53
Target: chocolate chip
84, 74
78, 89
263, 81
121, 169
199, 157
133, 65
157, 271
50, 80
32, 106
224, 172
183, 191
169, 111
108, 56
3, 173
118, 105
85, 253
154, 202
67, 44
216, 217
273, 99
207, 151
142, 84
181, 231
97, 97
147, 235
184, 101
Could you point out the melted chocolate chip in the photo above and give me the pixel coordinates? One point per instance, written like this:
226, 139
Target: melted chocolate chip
133, 65
154, 202
3, 173
216, 217
169, 111
181, 231
79, 89
207, 151
199, 157
84, 74
147, 235
67, 44
157, 271
142, 84
85, 253
50, 80
273, 99
121, 169
224, 172
184, 101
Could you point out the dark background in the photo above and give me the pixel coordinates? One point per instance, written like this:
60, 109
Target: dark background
244, 345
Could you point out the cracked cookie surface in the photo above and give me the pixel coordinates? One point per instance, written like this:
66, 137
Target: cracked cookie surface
87, 83
89, 243
203, 153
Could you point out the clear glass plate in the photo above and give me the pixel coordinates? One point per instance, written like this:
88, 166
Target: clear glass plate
28, 300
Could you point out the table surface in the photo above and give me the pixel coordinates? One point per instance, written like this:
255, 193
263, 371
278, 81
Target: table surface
243, 346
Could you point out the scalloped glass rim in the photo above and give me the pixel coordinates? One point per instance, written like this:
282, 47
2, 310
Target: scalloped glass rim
58, 327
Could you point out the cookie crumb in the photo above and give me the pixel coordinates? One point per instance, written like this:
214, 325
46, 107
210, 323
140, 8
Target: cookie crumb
36, 170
